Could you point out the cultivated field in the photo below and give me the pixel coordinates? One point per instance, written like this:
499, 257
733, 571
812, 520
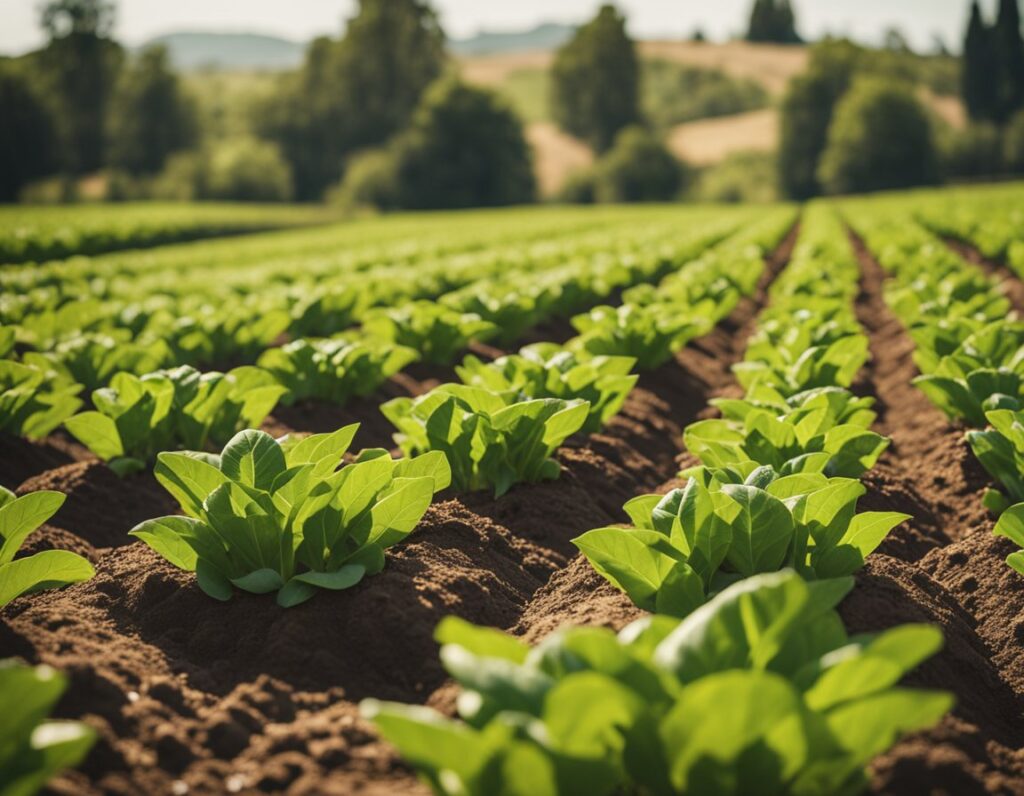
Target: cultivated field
771, 445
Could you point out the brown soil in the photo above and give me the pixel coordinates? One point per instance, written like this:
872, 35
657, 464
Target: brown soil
943, 567
191, 695
21, 459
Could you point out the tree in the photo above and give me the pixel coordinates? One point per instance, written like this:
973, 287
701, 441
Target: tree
595, 80
464, 148
150, 117
1008, 47
79, 66
773, 21
356, 92
978, 81
1013, 144
638, 169
27, 135
806, 114
880, 139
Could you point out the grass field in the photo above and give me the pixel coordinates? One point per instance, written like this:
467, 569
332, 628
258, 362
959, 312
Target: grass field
371, 467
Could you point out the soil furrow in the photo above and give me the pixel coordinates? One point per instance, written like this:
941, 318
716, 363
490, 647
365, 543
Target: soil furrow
942, 567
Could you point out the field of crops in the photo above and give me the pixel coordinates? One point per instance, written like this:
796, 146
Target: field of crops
650, 500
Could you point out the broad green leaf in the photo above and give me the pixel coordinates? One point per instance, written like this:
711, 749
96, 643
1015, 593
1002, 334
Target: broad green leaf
50, 569
253, 458
20, 516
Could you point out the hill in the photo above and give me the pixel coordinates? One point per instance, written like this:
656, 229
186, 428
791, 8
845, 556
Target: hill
191, 50
548, 36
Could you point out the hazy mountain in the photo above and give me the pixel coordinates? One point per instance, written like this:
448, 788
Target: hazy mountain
543, 37
195, 50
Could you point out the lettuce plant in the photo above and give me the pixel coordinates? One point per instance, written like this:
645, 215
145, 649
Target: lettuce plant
822, 432
985, 372
760, 691
691, 543
334, 370
138, 417
33, 748
279, 516
326, 311
510, 309
650, 334
547, 370
803, 357
48, 569
1000, 449
1011, 525
33, 401
437, 332
491, 440
92, 360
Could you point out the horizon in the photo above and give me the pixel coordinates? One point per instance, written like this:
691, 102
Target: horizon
919, 20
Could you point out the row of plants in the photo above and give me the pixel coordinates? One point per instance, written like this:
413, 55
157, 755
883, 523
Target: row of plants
45, 233
969, 348
743, 680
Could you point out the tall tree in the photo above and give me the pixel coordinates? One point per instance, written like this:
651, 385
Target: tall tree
773, 21
978, 77
80, 65
356, 92
595, 88
1009, 52
806, 114
150, 117
27, 135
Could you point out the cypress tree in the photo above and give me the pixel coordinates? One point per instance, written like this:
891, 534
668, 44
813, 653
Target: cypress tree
1008, 47
978, 81
760, 21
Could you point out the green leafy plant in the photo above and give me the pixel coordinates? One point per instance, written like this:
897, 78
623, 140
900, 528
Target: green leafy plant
1000, 449
32, 748
816, 431
334, 370
48, 569
437, 332
92, 360
547, 370
279, 516
33, 402
985, 372
1011, 525
490, 439
691, 543
803, 351
760, 691
138, 417
510, 308
650, 334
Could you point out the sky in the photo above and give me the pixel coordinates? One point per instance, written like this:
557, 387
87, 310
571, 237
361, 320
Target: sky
139, 20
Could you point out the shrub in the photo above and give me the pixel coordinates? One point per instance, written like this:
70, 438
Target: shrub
242, 169
880, 139
976, 151
638, 168
1013, 144
742, 177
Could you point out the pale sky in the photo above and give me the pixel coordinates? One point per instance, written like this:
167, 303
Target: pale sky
139, 20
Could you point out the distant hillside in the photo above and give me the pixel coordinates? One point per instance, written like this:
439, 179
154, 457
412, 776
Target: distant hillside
548, 36
230, 51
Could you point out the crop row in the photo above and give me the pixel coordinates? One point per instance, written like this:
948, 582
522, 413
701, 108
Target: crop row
969, 350
46, 233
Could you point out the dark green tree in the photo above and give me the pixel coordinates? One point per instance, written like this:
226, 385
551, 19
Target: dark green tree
806, 114
1009, 53
638, 169
464, 148
27, 135
772, 21
79, 67
595, 80
880, 139
150, 116
979, 87
356, 92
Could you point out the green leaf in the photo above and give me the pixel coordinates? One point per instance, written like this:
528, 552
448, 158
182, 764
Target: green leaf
98, 433
260, 581
343, 578
762, 531
20, 516
189, 479
253, 458
167, 536
482, 641
50, 569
